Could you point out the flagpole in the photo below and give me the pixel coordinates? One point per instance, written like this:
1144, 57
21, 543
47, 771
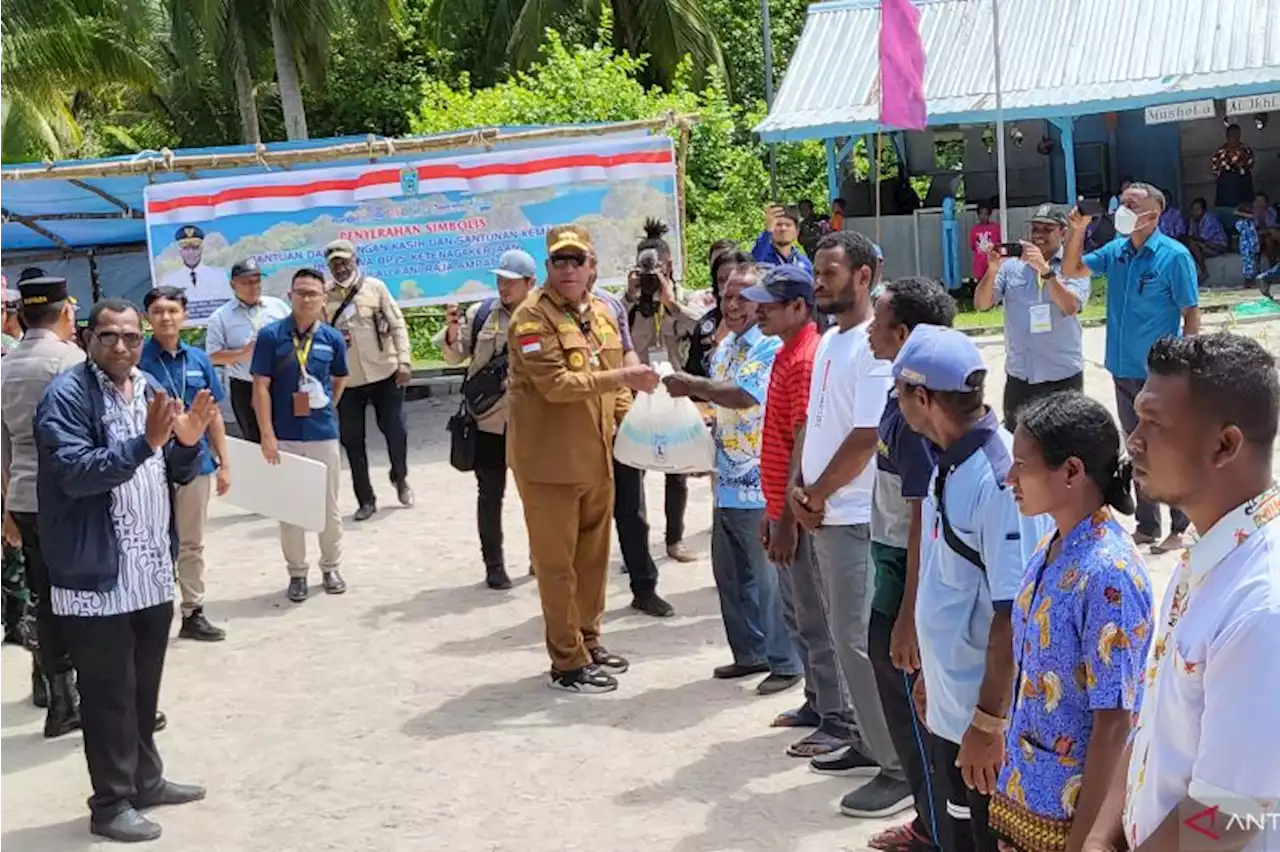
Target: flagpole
768, 94
1000, 161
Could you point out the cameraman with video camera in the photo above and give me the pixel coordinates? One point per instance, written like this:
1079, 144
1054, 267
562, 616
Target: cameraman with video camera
661, 326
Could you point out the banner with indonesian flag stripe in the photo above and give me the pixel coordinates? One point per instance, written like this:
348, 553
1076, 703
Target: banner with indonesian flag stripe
432, 229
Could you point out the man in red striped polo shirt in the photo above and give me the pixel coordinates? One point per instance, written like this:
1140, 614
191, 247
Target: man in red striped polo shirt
784, 307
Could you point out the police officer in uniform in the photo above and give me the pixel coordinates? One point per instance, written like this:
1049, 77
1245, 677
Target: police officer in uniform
568, 391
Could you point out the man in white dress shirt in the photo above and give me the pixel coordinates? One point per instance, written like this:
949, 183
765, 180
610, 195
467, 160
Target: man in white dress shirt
1204, 766
232, 332
206, 286
110, 449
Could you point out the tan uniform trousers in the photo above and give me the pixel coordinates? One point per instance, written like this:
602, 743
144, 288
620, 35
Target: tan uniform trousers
191, 510
293, 540
568, 528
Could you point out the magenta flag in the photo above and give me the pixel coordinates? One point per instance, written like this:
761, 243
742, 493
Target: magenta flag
901, 66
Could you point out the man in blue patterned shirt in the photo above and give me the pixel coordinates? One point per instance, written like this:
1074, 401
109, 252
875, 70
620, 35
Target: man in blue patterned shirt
111, 447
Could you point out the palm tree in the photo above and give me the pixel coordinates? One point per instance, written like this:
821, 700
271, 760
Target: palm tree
664, 30
53, 49
234, 30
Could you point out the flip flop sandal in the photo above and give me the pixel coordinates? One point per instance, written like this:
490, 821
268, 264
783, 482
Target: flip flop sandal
801, 717
900, 838
815, 744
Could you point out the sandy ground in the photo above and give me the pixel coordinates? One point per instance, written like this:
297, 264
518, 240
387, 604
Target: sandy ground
410, 714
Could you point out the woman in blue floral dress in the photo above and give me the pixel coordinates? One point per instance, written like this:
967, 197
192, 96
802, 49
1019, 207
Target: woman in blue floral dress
1082, 626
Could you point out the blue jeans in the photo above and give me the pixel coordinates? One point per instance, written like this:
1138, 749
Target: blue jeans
750, 601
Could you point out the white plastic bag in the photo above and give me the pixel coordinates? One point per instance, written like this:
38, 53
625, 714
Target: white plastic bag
665, 434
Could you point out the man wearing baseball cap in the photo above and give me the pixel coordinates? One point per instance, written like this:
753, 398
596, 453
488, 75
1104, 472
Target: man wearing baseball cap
482, 337
974, 549
380, 357
784, 308
1044, 352
206, 286
568, 391
233, 331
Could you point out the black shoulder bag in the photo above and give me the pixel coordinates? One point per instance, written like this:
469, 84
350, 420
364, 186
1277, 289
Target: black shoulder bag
477, 398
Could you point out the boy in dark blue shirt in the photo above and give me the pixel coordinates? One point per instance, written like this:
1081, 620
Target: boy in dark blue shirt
299, 369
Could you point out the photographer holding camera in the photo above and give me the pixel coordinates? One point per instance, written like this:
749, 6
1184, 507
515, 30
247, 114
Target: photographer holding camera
661, 326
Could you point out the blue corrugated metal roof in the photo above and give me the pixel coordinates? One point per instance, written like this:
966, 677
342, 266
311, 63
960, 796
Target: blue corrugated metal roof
37, 196
1059, 58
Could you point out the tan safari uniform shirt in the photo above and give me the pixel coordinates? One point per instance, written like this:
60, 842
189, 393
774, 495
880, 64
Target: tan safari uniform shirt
562, 412
490, 340
371, 357
668, 330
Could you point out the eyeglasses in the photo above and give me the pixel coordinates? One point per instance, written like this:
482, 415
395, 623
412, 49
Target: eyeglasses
560, 261
109, 339
307, 294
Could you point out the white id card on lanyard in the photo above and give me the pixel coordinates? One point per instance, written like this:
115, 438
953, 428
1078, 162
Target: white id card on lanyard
1041, 319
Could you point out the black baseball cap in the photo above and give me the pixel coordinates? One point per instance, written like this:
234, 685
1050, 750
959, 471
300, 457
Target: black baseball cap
248, 266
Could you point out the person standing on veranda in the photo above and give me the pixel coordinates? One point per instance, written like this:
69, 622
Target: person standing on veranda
183, 371
482, 338
299, 371
361, 308
231, 333
568, 391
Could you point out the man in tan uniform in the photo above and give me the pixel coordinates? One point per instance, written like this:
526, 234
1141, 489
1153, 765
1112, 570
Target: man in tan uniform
568, 391
380, 357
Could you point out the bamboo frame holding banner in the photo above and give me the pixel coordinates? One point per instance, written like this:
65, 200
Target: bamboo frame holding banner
166, 161
682, 156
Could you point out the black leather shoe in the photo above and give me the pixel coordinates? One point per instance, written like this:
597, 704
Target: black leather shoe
39, 687
365, 512
196, 626
496, 578
298, 589
170, 794
732, 671
162, 721
63, 715
333, 582
651, 604
405, 494
126, 827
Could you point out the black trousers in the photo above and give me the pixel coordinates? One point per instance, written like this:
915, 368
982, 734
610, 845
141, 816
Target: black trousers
633, 529
968, 827
1018, 393
242, 407
677, 498
388, 411
53, 654
491, 484
119, 661
908, 732
1148, 511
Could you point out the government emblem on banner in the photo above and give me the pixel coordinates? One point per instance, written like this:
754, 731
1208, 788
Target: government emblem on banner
408, 181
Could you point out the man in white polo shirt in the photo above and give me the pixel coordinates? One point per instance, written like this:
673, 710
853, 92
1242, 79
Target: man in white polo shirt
1207, 776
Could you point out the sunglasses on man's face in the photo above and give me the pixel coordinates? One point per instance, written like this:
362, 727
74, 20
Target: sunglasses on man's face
561, 261
109, 339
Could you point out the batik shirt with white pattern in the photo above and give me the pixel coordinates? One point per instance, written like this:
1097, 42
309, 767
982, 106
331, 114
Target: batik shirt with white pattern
140, 511
1209, 727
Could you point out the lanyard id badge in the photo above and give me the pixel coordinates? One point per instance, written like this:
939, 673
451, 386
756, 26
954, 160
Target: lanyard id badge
302, 396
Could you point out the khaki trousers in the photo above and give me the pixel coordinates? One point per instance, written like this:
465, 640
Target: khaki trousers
568, 528
293, 540
191, 509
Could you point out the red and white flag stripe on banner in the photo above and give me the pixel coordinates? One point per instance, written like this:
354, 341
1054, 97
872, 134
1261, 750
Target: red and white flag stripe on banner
282, 192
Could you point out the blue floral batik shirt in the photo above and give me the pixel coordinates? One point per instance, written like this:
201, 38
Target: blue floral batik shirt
1082, 626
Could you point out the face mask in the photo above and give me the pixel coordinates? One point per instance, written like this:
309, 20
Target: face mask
1126, 221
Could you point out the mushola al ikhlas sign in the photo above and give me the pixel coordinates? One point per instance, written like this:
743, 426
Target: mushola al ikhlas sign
432, 228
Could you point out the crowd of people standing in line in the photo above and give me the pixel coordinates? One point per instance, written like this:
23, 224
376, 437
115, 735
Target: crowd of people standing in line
969, 621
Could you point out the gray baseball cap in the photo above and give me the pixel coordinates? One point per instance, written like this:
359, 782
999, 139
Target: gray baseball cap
515, 263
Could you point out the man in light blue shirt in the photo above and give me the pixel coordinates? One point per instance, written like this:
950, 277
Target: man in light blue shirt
1044, 352
975, 546
750, 598
1151, 293
233, 329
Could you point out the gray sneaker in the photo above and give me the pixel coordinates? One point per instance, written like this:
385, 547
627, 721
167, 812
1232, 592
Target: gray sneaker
882, 796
